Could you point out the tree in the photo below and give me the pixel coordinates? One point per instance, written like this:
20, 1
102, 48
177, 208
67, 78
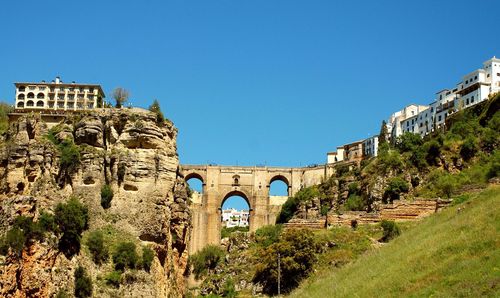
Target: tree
120, 95
297, 251
155, 108
97, 247
391, 230
72, 218
396, 186
382, 136
106, 196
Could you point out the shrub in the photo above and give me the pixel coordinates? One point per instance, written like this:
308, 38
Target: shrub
229, 290
395, 187
391, 230
155, 107
106, 196
268, 235
226, 232
147, 258
355, 203
83, 283
113, 278
494, 167
14, 240
206, 260
72, 218
341, 170
98, 249
446, 185
468, 149
70, 155
125, 256
122, 169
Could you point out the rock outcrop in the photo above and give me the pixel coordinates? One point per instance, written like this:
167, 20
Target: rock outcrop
124, 148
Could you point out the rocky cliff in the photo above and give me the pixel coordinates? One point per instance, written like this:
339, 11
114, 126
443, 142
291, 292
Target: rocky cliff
124, 148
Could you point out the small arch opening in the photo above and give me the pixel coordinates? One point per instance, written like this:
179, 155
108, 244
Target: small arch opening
31, 95
22, 88
40, 95
195, 183
21, 96
235, 214
30, 103
39, 104
20, 104
279, 186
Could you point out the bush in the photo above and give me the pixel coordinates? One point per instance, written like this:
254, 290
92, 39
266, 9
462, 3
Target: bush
83, 283
391, 230
341, 170
396, 186
268, 235
155, 108
70, 155
113, 278
229, 290
468, 149
106, 196
206, 260
72, 218
147, 258
287, 210
14, 240
125, 256
355, 203
494, 167
62, 294
226, 232
353, 188
97, 248
446, 185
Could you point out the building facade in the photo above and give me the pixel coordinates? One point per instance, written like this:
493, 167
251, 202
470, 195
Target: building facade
474, 88
57, 95
370, 146
235, 218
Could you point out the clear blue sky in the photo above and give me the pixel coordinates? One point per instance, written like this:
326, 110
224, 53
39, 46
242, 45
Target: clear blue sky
254, 82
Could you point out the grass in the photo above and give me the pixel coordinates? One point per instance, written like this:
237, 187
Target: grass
455, 253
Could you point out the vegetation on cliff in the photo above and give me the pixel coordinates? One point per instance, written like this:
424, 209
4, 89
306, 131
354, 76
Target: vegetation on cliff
453, 253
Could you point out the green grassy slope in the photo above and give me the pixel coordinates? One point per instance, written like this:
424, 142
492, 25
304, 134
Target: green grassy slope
455, 253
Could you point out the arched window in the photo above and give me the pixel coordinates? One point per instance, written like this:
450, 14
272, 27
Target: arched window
39, 104
40, 95
278, 186
20, 96
30, 103
20, 104
31, 95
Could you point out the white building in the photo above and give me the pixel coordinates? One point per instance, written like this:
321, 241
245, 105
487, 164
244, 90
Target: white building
235, 218
370, 146
405, 120
57, 96
474, 88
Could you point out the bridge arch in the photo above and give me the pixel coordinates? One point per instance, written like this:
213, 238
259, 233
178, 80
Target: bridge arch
282, 178
239, 193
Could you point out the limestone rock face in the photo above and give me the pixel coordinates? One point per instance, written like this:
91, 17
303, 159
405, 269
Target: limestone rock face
137, 157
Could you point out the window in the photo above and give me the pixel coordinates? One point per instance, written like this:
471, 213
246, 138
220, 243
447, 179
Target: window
439, 118
20, 96
41, 88
52, 89
71, 96
467, 102
60, 96
31, 95
61, 89
475, 78
467, 81
498, 74
22, 88
488, 75
91, 90
432, 110
472, 99
71, 105
40, 95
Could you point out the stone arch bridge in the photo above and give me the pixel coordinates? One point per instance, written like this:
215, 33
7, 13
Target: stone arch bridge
251, 183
